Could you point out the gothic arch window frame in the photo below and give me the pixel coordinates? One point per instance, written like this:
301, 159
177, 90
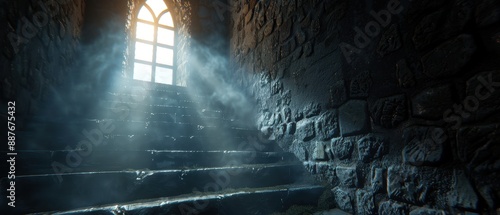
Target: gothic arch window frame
153, 63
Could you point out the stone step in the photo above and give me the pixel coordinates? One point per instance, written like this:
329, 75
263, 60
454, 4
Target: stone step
151, 140
75, 190
173, 99
110, 126
112, 108
178, 117
127, 84
265, 200
144, 92
41, 162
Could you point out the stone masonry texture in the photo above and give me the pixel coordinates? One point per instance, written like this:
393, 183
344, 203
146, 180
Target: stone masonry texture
401, 95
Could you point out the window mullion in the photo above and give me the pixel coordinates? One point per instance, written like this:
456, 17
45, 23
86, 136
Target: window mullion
155, 41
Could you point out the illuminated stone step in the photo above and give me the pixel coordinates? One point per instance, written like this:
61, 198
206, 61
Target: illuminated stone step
43, 162
115, 106
265, 200
110, 126
180, 116
74, 190
41, 140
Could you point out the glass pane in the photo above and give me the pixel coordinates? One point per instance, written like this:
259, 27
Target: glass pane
142, 72
165, 36
165, 56
166, 19
145, 31
145, 14
157, 6
164, 75
143, 51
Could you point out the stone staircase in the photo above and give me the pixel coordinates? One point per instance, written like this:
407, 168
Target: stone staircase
152, 149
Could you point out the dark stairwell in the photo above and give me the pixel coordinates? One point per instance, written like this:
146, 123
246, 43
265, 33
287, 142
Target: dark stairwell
102, 143
154, 149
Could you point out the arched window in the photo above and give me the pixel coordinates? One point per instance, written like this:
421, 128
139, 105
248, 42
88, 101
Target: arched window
154, 44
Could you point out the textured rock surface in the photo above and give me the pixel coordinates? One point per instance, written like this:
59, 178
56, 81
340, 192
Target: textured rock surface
423, 145
389, 112
319, 152
365, 202
353, 118
460, 186
405, 75
391, 208
426, 211
404, 184
432, 102
394, 83
344, 199
448, 58
390, 41
327, 125
360, 85
347, 176
377, 180
342, 147
305, 130
371, 147
482, 95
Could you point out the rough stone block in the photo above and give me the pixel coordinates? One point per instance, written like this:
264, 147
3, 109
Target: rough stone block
377, 179
423, 145
299, 150
347, 176
285, 30
426, 211
344, 199
487, 12
312, 109
308, 49
450, 57
443, 24
338, 94
478, 148
319, 153
353, 118
249, 16
287, 113
269, 28
298, 115
342, 147
360, 85
406, 78
405, 184
483, 88
327, 125
371, 147
390, 41
280, 131
301, 36
365, 202
431, 103
290, 128
389, 112
305, 130
392, 208
463, 194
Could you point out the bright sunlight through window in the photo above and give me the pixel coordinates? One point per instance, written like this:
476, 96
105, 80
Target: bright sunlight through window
154, 44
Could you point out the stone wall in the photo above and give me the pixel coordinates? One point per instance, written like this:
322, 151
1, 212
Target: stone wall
392, 104
39, 41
